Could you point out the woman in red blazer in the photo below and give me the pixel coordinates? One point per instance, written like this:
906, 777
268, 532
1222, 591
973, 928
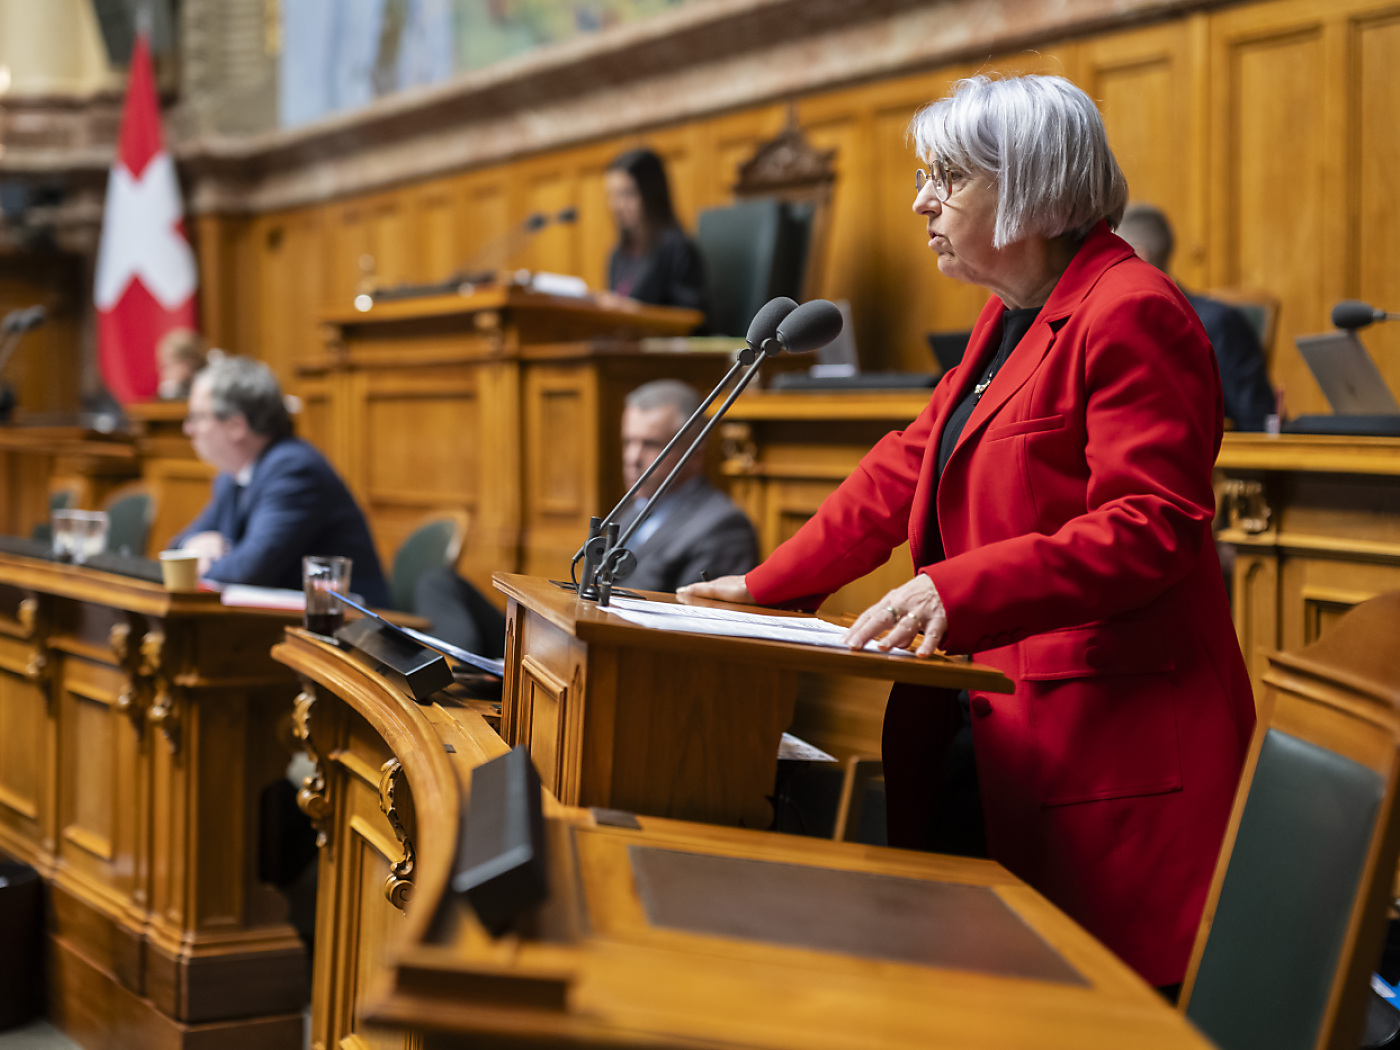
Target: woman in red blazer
1056, 494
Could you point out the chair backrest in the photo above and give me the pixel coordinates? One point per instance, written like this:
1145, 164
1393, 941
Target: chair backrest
754, 250
772, 240
63, 496
1296, 914
1260, 309
434, 544
130, 511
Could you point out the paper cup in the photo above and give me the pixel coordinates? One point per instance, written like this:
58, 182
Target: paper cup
180, 570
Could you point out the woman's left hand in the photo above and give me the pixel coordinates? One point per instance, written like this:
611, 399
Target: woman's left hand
903, 612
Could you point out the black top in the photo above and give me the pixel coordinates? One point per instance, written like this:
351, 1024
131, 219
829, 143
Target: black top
671, 274
1014, 325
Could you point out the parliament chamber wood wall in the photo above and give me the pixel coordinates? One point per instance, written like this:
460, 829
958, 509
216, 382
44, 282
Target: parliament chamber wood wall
1264, 129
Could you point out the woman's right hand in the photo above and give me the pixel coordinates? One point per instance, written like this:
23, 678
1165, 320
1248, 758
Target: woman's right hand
724, 589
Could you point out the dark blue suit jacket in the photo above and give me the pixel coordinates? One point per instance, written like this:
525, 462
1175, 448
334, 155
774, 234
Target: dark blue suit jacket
294, 505
1244, 377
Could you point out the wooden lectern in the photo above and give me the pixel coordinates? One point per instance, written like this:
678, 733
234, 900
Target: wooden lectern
675, 725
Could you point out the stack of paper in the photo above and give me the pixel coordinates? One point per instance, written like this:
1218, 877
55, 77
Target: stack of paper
806, 630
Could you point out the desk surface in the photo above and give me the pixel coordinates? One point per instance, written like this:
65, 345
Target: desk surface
767, 941
644, 318
589, 623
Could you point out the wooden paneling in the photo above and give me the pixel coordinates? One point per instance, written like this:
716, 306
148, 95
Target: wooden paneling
45, 369
1372, 165
1314, 526
1275, 151
1148, 84
1262, 128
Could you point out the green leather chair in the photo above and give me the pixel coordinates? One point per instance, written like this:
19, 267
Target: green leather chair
435, 544
61, 497
1297, 911
754, 250
130, 511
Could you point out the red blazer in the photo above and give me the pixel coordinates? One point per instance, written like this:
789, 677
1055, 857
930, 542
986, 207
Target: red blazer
1075, 514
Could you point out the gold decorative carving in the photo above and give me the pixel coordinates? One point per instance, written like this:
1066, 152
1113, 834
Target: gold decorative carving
165, 716
738, 448
311, 799
398, 887
28, 616
127, 702
159, 663
333, 338
1247, 505
119, 639
152, 651
785, 162
37, 669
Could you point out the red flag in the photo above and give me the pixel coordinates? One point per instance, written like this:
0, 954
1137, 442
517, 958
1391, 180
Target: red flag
145, 268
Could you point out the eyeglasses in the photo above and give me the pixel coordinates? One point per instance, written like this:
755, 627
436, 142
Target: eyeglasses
197, 417
942, 179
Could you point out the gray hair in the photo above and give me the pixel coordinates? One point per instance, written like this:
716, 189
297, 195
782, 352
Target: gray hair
1148, 230
242, 386
1041, 140
680, 396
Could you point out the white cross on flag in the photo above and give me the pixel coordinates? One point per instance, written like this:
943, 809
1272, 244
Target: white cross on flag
145, 268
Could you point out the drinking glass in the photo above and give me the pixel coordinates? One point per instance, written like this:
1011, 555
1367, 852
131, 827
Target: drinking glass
320, 576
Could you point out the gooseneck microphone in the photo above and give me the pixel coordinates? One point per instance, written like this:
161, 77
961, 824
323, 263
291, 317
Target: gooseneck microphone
1353, 314
780, 326
14, 325
810, 327
20, 321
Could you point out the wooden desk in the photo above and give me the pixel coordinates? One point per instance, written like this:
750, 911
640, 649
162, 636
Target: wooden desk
138, 730
677, 725
1315, 523
31, 458
503, 403
392, 779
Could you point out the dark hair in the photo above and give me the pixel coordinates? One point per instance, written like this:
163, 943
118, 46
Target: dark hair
661, 392
648, 171
242, 386
1145, 226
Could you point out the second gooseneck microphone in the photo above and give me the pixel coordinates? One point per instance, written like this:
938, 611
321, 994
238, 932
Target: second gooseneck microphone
780, 326
1353, 314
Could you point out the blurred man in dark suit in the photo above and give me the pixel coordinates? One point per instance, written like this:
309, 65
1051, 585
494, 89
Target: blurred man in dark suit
276, 498
1244, 376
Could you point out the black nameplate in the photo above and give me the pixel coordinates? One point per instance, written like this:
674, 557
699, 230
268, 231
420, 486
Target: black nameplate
419, 670
501, 863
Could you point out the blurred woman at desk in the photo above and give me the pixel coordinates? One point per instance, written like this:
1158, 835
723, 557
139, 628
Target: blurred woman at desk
1056, 494
654, 261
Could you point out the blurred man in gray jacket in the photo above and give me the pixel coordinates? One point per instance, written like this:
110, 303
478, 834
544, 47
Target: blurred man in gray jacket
693, 529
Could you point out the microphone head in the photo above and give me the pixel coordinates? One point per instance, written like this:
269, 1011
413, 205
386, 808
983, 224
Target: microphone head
764, 325
809, 327
567, 215
537, 221
23, 320
1352, 314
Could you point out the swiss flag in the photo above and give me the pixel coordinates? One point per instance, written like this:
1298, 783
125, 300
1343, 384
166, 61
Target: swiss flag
145, 268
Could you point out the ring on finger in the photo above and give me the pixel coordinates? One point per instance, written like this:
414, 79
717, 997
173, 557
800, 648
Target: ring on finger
895, 614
